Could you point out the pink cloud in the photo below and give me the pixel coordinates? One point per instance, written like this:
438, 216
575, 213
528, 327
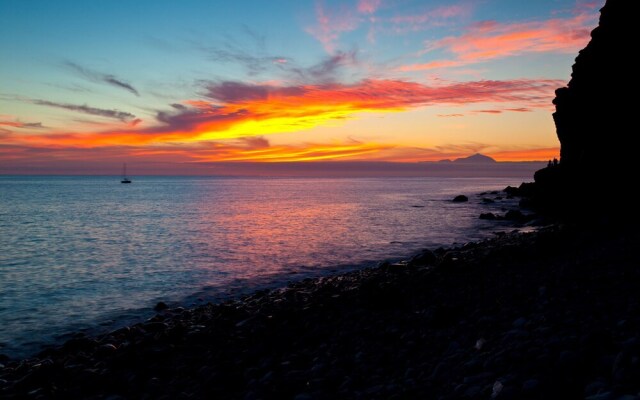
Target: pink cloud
588, 5
330, 24
519, 109
503, 40
500, 111
489, 111
491, 40
430, 65
436, 17
368, 6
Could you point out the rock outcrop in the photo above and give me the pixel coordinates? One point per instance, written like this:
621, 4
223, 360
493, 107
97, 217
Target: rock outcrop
594, 119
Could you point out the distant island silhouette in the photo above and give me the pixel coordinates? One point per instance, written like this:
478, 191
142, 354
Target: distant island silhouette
476, 158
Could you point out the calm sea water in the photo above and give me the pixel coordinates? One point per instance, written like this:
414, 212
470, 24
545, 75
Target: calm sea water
81, 252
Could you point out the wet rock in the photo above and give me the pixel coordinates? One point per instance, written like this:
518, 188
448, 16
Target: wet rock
511, 191
426, 257
601, 396
489, 216
473, 391
530, 386
80, 344
154, 326
520, 322
105, 349
515, 215
161, 306
460, 198
627, 397
496, 389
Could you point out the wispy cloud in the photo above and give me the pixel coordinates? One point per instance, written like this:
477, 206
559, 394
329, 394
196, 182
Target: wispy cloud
20, 124
331, 24
100, 77
433, 17
327, 70
235, 110
490, 40
240, 92
270, 108
368, 6
261, 62
114, 114
489, 111
255, 64
250, 149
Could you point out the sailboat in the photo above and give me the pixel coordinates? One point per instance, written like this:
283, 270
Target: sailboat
125, 179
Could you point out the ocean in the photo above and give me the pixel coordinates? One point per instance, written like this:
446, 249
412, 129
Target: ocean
91, 254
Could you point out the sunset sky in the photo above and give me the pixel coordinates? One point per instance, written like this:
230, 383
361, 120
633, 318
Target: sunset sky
87, 83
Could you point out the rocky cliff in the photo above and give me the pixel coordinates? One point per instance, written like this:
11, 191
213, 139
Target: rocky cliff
595, 118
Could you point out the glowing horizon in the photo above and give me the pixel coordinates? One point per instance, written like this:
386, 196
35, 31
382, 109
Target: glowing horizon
368, 80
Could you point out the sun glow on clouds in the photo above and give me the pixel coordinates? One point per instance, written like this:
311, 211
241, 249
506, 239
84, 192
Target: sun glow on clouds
491, 40
309, 152
235, 110
286, 106
526, 154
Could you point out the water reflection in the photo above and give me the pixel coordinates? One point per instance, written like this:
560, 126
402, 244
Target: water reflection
77, 249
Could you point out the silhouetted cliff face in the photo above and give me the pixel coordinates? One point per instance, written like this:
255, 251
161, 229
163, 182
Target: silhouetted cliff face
595, 115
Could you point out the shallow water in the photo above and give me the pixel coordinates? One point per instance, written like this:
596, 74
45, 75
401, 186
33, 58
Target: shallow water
76, 252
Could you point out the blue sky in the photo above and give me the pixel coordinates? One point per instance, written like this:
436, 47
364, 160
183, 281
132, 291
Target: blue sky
83, 69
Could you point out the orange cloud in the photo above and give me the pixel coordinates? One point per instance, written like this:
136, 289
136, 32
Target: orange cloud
237, 111
308, 152
194, 157
249, 149
20, 124
491, 40
489, 111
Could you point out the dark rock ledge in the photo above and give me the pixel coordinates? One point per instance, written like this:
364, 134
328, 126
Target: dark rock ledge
547, 315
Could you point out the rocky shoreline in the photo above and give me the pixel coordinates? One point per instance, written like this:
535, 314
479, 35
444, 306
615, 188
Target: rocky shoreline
543, 315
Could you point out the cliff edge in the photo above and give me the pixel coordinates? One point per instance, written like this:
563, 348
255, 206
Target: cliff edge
594, 120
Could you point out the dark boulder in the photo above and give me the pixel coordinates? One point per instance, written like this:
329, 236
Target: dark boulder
460, 198
426, 257
516, 216
511, 191
161, 306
